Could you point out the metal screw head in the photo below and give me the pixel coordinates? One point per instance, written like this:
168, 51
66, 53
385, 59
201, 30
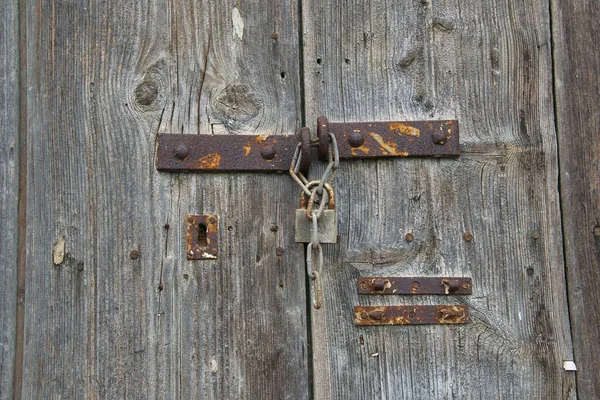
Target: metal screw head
439, 137
409, 237
268, 152
356, 138
134, 255
468, 236
181, 152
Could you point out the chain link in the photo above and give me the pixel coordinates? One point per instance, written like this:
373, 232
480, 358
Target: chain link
314, 251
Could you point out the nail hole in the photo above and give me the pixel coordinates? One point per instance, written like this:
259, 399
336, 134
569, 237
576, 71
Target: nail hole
282, 74
186, 276
319, 61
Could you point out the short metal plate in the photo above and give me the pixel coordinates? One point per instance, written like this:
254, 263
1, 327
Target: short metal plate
411, 315
414, 285
396, 139
200, 246
177, 152
327, 226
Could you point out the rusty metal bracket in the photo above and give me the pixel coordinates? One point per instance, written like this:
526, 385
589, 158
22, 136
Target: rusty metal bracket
390, 139
202, 237
414, 285
178, 152
260, 153
411, 315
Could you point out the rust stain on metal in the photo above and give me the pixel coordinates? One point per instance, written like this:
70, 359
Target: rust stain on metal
202, 237
414, 285
247, 148
363, 149
260, 138
411, 315
403, 129
388, 147
209, 161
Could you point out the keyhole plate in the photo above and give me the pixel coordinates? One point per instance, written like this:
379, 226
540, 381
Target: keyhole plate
202, 237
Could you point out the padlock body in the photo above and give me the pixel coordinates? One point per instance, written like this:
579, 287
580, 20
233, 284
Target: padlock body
327, 226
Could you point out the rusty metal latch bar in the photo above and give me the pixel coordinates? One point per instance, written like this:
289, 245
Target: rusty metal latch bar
411, 315
414, 285
260, 153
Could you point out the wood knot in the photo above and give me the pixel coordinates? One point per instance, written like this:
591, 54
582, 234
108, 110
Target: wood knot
146, 93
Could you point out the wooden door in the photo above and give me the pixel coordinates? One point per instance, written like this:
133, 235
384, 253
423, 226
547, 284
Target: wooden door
99, 300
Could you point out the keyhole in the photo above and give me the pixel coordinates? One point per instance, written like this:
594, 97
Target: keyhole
202, 240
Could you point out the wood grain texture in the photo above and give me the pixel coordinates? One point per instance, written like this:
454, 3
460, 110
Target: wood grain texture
487, 64
104, 79
577, 64
9, 190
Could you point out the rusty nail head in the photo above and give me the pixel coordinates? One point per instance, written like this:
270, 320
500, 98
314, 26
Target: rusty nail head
416, 285
274, 36
279, 251
364, 315
280, 283
379, 285
409, 237
376, 315
439, 137
274, 228
597, 230
167, 226
536, 235
465, 285
160, 287
191, 220
181, 151
468, 236
356, 138
80, 267
134, 255
212, 220
411, 314
213, 252
530, 271
268, 152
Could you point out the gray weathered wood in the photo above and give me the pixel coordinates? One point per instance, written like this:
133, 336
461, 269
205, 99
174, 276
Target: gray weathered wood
487, 64
104, 79
577, 64
9, 190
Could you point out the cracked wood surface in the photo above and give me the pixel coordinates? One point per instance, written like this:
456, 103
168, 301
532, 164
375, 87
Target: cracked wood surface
577, 88
488, 65
106, 322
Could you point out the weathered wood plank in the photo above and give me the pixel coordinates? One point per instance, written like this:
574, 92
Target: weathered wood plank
577, 63
488, 65
9, 190
104, 80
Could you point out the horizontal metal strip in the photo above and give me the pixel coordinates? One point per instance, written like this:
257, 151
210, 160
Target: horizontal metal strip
414, 285
411, 315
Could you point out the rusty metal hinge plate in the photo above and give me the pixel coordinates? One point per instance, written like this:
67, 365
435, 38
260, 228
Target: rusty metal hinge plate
390, 139
178, 152
260, 153
411, 315
414, 285
202, 237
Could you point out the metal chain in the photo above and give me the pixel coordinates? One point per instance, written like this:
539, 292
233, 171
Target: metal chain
320, 197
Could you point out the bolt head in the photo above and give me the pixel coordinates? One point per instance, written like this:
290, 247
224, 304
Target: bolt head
439, 137
356, 138
268, 152
181, 152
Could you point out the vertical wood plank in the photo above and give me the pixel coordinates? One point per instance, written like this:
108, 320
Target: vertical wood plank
104, 322
487, 64
9, 190
577, 64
